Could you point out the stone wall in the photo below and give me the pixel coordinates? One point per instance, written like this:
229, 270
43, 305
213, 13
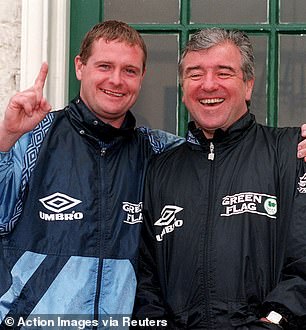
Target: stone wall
10, 41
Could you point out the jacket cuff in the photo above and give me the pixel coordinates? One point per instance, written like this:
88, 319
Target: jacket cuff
6, 156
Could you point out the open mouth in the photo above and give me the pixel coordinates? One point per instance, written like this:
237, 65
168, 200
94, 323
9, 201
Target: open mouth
111, 93
211, 102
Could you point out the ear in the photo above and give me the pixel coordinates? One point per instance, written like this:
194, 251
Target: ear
249, 89
142, 76
182, 91
78, 65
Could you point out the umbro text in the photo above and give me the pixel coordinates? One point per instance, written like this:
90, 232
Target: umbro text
169, 229
61, 216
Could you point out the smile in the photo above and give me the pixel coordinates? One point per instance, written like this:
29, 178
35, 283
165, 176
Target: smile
212, 101
112, 93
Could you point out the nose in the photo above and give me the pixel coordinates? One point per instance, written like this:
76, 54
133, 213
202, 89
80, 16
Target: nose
209, 82
115, 77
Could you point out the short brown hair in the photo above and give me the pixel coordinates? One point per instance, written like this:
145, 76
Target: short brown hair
109, 31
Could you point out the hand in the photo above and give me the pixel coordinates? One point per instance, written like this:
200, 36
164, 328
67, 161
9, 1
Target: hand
24, 111
263, 323
302, 144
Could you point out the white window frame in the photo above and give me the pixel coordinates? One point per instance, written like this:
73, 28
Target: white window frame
45, 37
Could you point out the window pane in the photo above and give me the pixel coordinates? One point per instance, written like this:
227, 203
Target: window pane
292, 11
157, 104
143, 11
259, 97
228, 11
292, 82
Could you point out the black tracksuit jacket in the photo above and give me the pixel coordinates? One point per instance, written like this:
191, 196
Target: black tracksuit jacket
224, 236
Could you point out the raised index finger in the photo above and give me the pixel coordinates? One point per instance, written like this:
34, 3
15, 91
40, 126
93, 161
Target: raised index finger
42, 76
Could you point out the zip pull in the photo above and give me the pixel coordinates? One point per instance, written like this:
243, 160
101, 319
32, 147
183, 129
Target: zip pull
103, 152
211, 155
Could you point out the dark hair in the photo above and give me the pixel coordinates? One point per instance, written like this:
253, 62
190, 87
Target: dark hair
110, 31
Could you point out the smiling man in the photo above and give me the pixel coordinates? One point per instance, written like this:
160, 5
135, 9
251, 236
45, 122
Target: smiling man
214, 88
72, 185
224, 244
110, 84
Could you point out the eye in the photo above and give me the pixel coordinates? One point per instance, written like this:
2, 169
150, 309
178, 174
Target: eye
131, 71
104, 67
225, 74
195, 76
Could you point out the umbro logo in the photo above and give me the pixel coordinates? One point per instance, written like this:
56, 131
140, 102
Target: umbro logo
58, 203
168, 220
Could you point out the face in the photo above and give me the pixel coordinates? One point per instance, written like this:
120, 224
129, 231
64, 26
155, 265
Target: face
111, 79
213, 88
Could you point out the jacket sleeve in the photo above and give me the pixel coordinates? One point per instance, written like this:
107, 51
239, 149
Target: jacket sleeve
289, 296
11, 164
161, 140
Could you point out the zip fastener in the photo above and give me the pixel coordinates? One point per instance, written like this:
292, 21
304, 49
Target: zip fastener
103, 151
211, 155
100, 266
98, 293
207, 276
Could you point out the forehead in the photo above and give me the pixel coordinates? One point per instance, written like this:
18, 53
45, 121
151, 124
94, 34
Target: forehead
117, 51
225, 54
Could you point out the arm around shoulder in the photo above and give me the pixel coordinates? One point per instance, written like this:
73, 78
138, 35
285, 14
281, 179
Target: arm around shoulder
161, 140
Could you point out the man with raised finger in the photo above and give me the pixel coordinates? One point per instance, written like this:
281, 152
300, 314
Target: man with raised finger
71, 186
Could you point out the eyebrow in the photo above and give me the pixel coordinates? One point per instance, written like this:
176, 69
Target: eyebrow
110, 62
98, 62
192, 68
198, 67
227, 67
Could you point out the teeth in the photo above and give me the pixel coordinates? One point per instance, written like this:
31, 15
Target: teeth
211, 101
112, 93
